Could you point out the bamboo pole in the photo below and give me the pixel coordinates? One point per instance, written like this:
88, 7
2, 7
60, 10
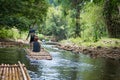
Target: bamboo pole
3, 75
28, 77
1, 70
10, 73
20, 74
13, 72
16, 72
7, 73
23, 73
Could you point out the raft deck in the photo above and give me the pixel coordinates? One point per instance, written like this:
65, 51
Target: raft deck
14, 72
11, 44
42, 55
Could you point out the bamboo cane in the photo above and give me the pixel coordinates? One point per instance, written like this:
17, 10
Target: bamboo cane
13, 73
10, 73
16, 72
28, 77
20, 74
7, 74
23, 73
1, 70
3, 75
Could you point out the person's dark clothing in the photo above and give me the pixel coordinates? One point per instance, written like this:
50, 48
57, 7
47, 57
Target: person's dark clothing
36, 46
31, 31
31, 34
32, 38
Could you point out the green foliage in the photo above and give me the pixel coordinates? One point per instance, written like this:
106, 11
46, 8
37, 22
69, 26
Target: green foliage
55, 24
12, 33
108, 42
22, 35
21, 13
93, 26
41, 36
3, 33
103, 42
112, 17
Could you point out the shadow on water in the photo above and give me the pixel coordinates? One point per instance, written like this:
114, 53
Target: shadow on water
65, 65
13, 55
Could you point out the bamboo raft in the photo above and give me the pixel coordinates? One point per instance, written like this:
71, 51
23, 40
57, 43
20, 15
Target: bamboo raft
10, 44
38, 55
14, 72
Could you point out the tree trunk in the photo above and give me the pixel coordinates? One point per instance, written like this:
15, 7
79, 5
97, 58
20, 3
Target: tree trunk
112, 25
77, 24
77, 31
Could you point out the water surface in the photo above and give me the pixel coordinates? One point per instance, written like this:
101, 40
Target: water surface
65, 65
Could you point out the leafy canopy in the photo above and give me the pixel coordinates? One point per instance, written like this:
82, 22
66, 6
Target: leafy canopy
22, 13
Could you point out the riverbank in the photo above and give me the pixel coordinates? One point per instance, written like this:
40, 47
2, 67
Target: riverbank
95, 50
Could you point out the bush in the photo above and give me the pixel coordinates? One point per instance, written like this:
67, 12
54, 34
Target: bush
41, 36
93, 26
12, 33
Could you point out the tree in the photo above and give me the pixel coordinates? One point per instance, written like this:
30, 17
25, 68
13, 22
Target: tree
70, 14
55, 24
92, 22
112, 18
75, 6
22, 13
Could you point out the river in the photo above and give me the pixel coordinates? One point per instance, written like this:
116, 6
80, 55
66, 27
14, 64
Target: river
65, 65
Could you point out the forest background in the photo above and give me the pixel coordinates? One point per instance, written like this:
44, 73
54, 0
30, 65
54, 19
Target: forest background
83, 22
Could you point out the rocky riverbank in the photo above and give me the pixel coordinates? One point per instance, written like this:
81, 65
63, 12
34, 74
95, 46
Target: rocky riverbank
94, 52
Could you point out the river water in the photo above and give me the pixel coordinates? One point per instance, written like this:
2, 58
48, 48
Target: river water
65, 65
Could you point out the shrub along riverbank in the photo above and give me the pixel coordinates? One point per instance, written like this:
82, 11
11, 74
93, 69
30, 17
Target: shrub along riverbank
106, 47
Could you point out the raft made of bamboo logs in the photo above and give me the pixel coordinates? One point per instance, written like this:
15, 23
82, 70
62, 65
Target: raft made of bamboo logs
10, 44
43, 54
14, 72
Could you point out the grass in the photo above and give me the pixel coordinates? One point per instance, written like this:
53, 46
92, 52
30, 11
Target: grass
104, 42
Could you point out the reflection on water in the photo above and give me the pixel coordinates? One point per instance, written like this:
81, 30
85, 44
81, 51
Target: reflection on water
68, 66
65, 65
13, 55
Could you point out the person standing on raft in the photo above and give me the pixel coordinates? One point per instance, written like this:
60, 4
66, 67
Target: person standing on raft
32, 36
